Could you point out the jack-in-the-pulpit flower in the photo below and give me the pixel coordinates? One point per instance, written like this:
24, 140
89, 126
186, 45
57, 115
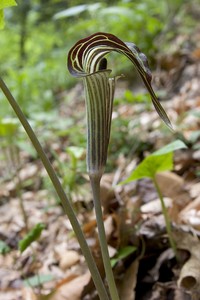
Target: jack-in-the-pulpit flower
86, 59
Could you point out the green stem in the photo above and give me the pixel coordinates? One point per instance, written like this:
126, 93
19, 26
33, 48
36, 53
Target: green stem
60, 191
166, 216
95, 184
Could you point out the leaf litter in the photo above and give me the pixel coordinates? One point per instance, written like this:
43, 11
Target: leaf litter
54, 267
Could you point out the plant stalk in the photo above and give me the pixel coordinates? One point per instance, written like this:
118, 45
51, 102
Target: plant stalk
166, 216
95, 184
68, 209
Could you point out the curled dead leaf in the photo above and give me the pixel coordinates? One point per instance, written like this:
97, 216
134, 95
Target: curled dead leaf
189, 276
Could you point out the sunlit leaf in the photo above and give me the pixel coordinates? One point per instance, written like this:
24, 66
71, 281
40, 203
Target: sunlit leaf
159, 161
150, 166
178, 144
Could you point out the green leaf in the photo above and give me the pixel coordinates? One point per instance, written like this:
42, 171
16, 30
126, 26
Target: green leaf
4, 248
1, 19
150, 166
32, 236
4, 4
76, 152
8, 126
178, 144
159, 161
122, 253
194, 136
7, 3
38, 280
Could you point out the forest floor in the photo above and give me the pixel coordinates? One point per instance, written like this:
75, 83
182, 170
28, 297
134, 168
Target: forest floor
53, 267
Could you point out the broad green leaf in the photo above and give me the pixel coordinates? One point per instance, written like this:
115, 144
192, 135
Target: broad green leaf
159, 161
38, 280
178, 144
31, 237
150, 166
122, 253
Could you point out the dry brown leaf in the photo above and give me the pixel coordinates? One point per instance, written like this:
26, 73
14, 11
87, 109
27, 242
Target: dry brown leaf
11, 294
89, 226
180, 294
28, 294
190, 274
128, 284
29, 171
109, 226
66, 280
73, 289
107, 193
68, 259
192, 218
173, 186
195, 190
154, 207
191, 214
196, 54
195, 204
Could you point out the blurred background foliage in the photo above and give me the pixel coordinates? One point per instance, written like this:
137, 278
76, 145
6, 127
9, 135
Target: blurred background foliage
33, 56
39, 33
